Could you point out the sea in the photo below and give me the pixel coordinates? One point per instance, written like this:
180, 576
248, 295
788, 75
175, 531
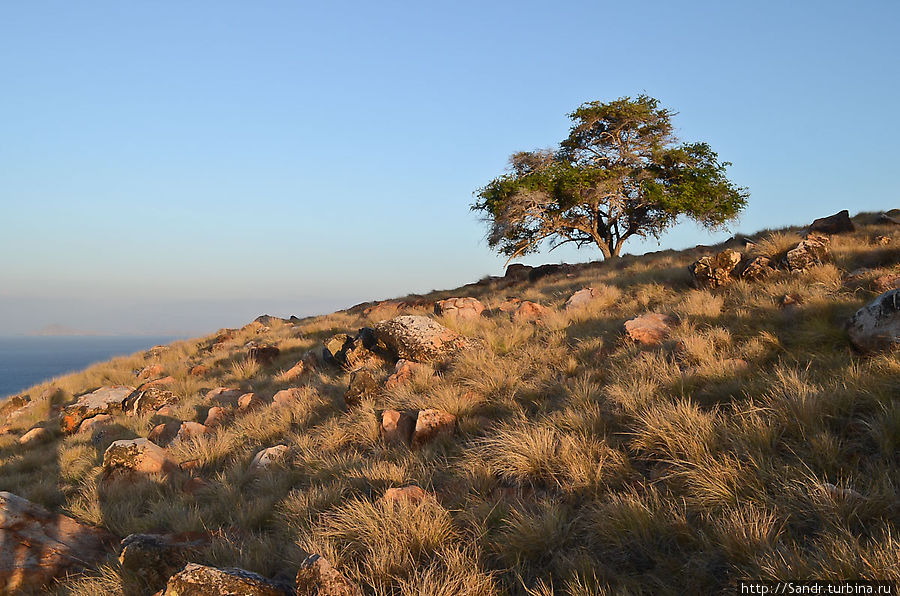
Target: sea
28, 360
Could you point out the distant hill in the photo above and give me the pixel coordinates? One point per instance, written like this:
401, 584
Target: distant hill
57, 330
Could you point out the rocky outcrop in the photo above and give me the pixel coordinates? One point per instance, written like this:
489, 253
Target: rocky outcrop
833, 224
876, 326
150, 371
715, 271
198, 370
37, 546
517, 272
200, 580
886, 283
138, 456
154, 558
102, 401
806, 254
459, 308
432, 424
649, 329
94, 423
318, 577
419, 338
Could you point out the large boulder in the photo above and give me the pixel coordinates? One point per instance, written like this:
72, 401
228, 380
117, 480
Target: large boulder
876, 326
833, 224
649, 329
102, 401
137, 456
715, 271
806, 254
200, 580
459, 308
318, 577
154, 558
37, 546
419, 338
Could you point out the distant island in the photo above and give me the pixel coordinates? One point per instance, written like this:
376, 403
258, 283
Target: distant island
59, 330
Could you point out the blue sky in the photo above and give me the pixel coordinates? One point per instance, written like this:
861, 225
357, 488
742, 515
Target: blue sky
174, 166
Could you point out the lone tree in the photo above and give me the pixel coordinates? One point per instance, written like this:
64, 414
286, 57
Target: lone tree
620, 173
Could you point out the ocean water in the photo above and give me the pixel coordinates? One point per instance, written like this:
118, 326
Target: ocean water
26, 361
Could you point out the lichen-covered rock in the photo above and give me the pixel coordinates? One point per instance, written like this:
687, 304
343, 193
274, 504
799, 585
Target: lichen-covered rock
419, 338
715, 271
363, 385
266, 457
200, 580
397, 427
318, 577
806, 254
758, 268
149, 399
876, 326
833, 224
138, 456
37, 546
459, 308
102, 401
431, 424
154, 558
649, 329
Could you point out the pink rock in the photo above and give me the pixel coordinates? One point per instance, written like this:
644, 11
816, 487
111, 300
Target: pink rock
137, 455
92, 424
287, 397
189, 429
460, 308
215, 417
407, 494
431, 424
649, 329
250, 401
530, 311
397, 427
266, 457
403, 373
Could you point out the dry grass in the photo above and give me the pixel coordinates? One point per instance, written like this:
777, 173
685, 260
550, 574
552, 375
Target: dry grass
581, 464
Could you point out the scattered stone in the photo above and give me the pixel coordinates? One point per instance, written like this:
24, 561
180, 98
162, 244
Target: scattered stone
37, 546
11, 404
363, 350
407, 494
876, 326
397, 428
200, 580
403, 373
459, 308
154, 558
266, 457
431, 424
164, 433
101, 401
715, 271
806, 254
530, 311
758, 268
224, 396
420, 339
157, 351
93, 423
363, 384
886, 283
189, 430
150, 371
833, 224
250, 401
146, 400
157, 383
318, 577
581, 298
294, 372
166, 411
649, 329
265, 355
883, 240
34, 436
215, 417
509, 305
137, 455
287, 397
199, 370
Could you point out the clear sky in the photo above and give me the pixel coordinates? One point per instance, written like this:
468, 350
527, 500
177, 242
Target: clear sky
184, 166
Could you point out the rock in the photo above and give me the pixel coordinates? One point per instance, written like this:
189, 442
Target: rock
215, 416
403, 373
883, 240
265, 355
200, 580
199, 370
37, 546
153, 558
102, 401
150, 371
318, 577
459, 308
419, 338
876, 326
164, 433
269, 320
94, 423
407, 494
157, 383
537, 273
581, 298
293, 373
12, 404
790, 300
833, 224
363, 384
34, 436
758, 268
530, 311
250, 401
509, 305
806, 254
518, 272
189, 430
166, 410
886, 283
431, 424
266, 457
150, 399
224, 396
715, 271
649, 329
287, 397
334, 345
397, 428
137, 455
363, 350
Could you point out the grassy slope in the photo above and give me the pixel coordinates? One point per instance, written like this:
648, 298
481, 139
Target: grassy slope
582, 463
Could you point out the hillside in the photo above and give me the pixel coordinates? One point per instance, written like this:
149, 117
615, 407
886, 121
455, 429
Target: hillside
557, 447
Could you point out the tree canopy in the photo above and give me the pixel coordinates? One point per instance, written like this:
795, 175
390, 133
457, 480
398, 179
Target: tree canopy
620, 173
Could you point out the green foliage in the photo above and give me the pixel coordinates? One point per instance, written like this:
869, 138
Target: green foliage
619, 174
